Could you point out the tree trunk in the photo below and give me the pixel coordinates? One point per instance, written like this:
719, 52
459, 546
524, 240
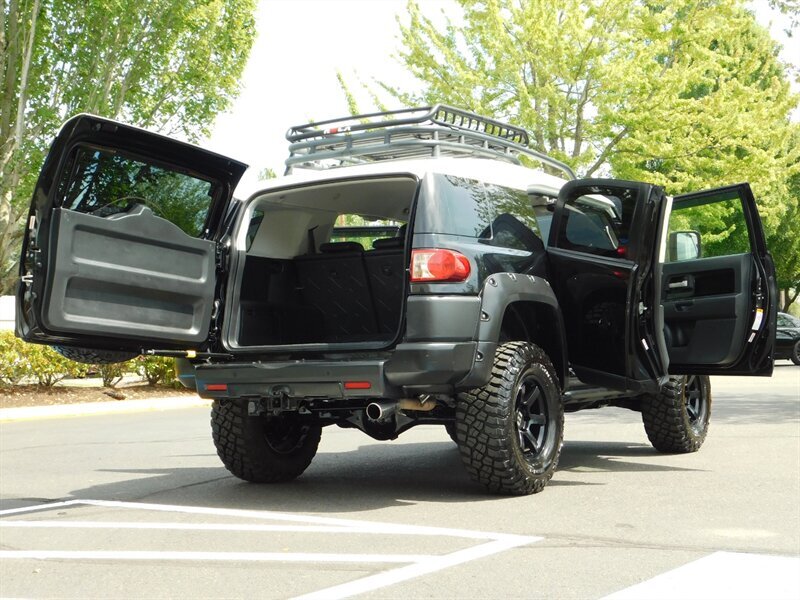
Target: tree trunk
787, 298
19, 124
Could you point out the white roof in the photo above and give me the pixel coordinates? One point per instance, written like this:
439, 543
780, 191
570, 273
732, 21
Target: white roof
485, 170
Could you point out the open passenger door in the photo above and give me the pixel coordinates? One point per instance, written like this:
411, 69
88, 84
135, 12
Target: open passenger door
639, 303
121, 249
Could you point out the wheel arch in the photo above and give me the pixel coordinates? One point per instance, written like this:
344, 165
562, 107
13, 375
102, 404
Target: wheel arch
523, 308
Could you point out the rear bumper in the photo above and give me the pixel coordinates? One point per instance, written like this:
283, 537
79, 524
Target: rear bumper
408, 369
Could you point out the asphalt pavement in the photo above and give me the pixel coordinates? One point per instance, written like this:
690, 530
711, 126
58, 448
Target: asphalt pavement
138, 505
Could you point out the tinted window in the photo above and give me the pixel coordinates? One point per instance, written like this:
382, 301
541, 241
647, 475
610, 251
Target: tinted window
104, 183
497, 215
598, 223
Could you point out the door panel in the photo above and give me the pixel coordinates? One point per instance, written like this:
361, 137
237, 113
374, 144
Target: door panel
132, 274
706, 319
719, 306
122, 240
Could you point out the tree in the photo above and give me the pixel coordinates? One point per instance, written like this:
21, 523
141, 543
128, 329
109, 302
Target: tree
168, 65
685, 94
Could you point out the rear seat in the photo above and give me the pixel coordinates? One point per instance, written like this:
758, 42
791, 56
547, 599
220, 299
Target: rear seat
385, 270
335, 283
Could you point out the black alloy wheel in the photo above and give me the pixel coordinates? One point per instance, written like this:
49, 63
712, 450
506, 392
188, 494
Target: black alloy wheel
676, 419
532, 420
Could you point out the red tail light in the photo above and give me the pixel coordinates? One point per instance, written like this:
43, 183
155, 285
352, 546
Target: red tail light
435, 264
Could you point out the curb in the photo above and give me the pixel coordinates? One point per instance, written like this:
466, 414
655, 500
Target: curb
55, 411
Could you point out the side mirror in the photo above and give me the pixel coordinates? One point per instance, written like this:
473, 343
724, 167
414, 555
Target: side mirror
684, 245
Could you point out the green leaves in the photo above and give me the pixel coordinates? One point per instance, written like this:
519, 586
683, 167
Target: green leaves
685, 94
168, 65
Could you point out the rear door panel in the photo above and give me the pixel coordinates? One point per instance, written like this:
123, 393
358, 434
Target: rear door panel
120, 250
132, 275
600, 257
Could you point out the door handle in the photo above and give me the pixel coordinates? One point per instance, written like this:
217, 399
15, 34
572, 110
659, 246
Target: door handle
678, 285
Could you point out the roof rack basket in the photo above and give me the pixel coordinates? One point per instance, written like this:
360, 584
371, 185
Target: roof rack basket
435, 131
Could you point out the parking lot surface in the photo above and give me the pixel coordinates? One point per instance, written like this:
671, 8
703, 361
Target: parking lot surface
138, 505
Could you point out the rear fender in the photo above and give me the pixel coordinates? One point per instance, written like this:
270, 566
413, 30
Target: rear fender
524, 307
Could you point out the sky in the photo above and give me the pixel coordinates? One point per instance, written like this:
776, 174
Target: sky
290, 77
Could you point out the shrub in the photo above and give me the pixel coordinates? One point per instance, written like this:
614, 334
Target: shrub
156, 369
48, 367
112, 374
14, 364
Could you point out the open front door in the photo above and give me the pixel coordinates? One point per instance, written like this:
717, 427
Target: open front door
718, 286
120, 251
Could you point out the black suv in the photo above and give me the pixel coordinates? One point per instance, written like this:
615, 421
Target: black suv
408, 269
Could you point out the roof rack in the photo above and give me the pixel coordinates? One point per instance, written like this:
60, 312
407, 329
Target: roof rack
435, 131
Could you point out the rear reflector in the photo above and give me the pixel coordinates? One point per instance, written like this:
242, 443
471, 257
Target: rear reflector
357, 385
436, 264
216, 387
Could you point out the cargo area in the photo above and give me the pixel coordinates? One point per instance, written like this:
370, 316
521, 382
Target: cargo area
322, 264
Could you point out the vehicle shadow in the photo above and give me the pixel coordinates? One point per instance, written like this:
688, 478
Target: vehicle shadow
578, 456
367, 478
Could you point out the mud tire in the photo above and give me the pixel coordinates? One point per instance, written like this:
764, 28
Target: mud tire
510, 431
259, 449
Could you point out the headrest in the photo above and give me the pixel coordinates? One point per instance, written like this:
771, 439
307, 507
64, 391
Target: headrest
332, 247
386, 243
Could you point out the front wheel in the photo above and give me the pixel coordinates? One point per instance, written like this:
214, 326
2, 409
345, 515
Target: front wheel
510, 431
259, 449
796, 353
676, 420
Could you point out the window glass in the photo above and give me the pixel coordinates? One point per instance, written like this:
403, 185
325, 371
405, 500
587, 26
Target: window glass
497, 215
717, 222
599, 222
252, 227
104, 183
363, 230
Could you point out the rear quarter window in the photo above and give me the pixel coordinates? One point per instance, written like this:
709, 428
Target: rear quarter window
498, 215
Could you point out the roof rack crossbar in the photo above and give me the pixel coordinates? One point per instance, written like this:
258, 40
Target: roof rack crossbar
408, 133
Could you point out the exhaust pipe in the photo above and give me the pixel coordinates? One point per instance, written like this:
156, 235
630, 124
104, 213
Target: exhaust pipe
380, 412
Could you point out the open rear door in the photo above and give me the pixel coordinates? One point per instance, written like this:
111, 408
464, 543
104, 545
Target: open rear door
602, 260
122, 240
718, 286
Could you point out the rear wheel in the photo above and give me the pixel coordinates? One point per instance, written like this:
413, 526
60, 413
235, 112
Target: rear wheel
796, 353
676, 420
510, 431
262, 450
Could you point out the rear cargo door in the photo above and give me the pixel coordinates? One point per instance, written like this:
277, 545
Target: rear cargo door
122, 242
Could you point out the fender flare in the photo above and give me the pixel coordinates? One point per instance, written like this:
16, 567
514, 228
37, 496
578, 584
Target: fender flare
500, 291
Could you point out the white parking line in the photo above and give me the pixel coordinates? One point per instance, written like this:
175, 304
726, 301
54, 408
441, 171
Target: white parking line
417, 564
723, 576
213, 556
380, 580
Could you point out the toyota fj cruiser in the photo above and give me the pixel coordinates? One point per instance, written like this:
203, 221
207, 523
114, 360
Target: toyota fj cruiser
421, 266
